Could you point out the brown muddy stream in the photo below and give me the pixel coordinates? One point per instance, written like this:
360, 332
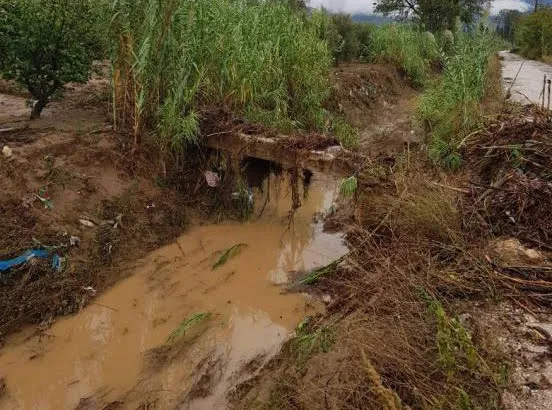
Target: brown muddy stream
116, 349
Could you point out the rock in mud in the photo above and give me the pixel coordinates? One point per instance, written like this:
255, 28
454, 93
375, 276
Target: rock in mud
7, 151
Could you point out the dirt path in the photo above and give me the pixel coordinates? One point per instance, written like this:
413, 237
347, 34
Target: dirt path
524, 77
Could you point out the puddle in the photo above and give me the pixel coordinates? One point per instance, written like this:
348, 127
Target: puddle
115, 349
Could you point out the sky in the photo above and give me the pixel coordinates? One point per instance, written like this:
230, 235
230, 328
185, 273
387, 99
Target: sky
366, 6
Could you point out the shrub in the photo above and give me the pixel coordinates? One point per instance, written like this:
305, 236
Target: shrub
175, 59
451, 108
410, 50
47, 43
533, 34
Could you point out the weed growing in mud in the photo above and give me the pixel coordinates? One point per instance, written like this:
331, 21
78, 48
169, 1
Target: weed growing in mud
229, 254
348, 186
174, 60
186, 325
345, 133
309, 340
452, 338
316, 274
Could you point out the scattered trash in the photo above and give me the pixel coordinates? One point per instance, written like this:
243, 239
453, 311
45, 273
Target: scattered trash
59, 263
87, 223
244, 193
44, 197
24, 258
7, 151
91, 223
90, 289
150, 206
118, 221
212, 178
228, 254
74, 241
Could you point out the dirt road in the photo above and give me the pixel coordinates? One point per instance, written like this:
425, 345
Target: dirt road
527, 86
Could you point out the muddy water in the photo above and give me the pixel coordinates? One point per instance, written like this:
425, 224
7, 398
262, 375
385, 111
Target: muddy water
116, 348
527, 87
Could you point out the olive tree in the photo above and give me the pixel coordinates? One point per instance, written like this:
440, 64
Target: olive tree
47, 43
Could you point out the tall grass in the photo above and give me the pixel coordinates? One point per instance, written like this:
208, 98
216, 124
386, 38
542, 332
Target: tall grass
411, 50
174, 58
451, 109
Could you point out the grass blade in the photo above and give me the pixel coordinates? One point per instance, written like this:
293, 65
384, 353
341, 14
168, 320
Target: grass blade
229, 254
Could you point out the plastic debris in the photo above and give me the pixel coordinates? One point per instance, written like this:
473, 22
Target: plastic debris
74, 241
7, 151
58, 263
24, 258
87, 223
44, 197
212, 178
90, 289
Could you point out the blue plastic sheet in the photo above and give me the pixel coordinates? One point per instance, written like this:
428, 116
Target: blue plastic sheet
20, 260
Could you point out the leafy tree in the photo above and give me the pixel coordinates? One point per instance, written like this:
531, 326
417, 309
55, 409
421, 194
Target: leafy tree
506, 23
47, 43
533, 33
433, 15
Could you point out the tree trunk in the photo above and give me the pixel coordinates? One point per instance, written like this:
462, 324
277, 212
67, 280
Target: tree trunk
38, 107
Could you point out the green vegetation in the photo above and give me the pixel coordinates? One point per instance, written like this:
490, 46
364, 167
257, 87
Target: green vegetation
410, 50
172, 60
451, 108
348, 186
47, 43
310, 339
186, 325
533, 34
315, 275
229, 254
433, 15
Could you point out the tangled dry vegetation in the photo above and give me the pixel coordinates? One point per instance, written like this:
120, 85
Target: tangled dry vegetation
423, 244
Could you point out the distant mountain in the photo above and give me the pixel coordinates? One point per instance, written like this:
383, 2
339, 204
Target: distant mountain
372, 18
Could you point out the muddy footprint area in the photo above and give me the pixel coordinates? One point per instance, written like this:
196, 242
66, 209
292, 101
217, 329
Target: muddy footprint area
193, 319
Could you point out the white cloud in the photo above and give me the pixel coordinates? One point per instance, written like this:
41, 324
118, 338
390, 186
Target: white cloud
366, 6
349, 6
498, 5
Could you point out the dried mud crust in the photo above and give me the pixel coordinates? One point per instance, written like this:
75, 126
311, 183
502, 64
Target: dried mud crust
83, 176
380, 103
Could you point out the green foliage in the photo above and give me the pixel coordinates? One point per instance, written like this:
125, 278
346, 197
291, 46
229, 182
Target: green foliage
454, 343
175, 59
507, 24
186, 325
450, 109
346, 134
433, 15
47, 43
348, 186
533, 34
410, 50
229, 254
314, 275
311, 339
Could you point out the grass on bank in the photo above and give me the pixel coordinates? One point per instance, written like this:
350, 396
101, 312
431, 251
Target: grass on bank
174, 60
451, 108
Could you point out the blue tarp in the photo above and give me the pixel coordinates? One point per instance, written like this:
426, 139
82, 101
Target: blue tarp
20, 260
